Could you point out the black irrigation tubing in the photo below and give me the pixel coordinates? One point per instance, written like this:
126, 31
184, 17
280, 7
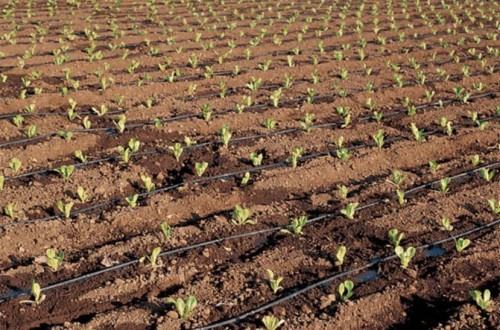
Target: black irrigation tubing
211, 178
331, 278
274, 53
250, 137
15, 294
229, 91
284, 52
103, 38
282, 21
326, 97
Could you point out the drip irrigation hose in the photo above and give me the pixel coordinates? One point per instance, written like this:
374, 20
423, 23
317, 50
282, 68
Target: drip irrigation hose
15, 294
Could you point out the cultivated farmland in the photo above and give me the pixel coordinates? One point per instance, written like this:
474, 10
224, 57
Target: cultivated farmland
237, 164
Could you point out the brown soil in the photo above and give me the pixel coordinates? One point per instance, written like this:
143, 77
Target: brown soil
228, 277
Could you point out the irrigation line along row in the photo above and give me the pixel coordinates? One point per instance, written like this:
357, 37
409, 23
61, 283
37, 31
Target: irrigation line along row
247, 138
16, 294
325, 36
230, 91
262, 106
210, 178
331, 278
222, 27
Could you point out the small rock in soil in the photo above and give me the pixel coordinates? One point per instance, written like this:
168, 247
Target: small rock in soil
173, 315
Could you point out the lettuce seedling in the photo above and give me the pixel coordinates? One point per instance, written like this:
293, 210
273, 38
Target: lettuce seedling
294, 156
307, 123
134, 145
397, 177
345, 290
487, 174
342, 191
120, 124
297, 225
80, 156
82, 194
36, 292
148, 183
225, 135
2, 182
433, 166
401, 196
256, 159
395, 238
494, 205
274, 283
66, 135
10, 211
240, 216
152, 258
475, 160
200, 168
340, 255
54, 260
184, 309
177, 150
405, 256
15, 164
125, 154
132, 200
271, 322
444, 184
379, 138
461, 244
270, 124
245, 179
166, 229
483, 300
65, 208
206, 111
349, 210
66, 171
276, 96
445, 224
417, 133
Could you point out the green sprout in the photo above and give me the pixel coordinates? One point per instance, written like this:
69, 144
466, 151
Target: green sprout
461, 244
340, 255
241, 216
405, 256
166, 229
10, 210
294, 156
36, 292
184, 308
152, 258
200, 168
345, 290
274, 283
349, 210
148, 183
297, 225
494, 205
132, 200
54, 260
271, 322
379, 138
483, 300
444, 185
66, 171
65, 209
487, 174
445, 224
177, 150
395, 238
